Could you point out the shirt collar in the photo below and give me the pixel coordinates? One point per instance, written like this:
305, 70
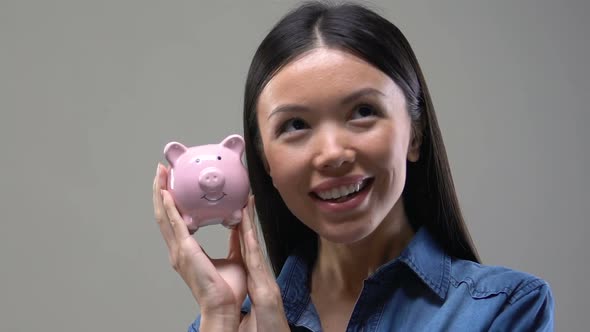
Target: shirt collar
423, 255
426, 258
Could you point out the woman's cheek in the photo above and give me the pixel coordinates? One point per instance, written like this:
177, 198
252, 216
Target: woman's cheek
284, 163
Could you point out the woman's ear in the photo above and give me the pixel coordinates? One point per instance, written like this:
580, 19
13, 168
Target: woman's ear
415, 144
414, 150
266, 167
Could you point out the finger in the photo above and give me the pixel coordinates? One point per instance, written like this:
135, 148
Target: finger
179, 227
247, 223
234, 245
159, 211
181, 236
256, 263
166, 224
243, 228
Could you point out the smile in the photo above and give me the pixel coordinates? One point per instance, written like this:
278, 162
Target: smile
348, 200
214, 199
342, 193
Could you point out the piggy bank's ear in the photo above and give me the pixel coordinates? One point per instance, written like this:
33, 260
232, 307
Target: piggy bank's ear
234, 143
173, 151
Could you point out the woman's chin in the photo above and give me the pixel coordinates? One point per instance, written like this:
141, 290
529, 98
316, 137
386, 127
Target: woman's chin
345, 234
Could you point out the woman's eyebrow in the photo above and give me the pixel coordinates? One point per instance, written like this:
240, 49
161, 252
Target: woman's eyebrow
288, 108
360, 93
346, 100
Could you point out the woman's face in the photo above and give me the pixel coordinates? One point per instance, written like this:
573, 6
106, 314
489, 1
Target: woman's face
336, 137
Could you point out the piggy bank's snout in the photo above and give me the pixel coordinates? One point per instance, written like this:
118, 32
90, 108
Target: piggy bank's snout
211, 179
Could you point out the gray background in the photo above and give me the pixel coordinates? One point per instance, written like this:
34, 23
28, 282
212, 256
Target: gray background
91, 91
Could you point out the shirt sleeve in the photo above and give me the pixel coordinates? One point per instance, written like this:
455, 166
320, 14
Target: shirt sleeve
529, 309
194, 327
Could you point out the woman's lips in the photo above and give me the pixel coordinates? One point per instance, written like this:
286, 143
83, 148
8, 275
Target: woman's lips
352, 202
337, 182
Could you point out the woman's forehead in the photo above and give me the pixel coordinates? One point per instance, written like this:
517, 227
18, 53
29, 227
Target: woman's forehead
323, 73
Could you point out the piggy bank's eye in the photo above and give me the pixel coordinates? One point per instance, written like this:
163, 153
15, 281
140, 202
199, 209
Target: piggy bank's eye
218, 157
198, 160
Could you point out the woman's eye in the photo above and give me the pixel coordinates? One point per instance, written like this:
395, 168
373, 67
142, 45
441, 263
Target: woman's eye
293, 125
364, 111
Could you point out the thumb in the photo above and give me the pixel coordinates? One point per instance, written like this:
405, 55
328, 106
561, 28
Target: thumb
235, 251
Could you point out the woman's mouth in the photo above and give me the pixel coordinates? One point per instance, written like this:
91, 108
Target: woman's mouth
343, 198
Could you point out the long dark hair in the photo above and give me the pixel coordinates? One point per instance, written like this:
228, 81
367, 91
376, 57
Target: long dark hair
429, 194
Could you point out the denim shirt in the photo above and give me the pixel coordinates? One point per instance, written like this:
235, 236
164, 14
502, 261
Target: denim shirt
425, 289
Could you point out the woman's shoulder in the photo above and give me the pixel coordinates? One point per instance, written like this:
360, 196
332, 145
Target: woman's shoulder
489, 280
514, 300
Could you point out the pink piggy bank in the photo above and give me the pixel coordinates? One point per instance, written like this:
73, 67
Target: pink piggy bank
209, 183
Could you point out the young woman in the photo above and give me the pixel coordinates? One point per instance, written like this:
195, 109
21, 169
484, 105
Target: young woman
354, 195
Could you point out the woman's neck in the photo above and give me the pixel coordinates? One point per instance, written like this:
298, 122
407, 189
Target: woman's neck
343, 267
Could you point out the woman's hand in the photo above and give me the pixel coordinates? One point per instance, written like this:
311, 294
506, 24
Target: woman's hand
218, 285
267, 312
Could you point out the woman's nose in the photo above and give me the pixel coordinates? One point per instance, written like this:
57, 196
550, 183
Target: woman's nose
333, 150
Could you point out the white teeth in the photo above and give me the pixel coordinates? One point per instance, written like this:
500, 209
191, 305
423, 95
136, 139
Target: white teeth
335, 193
344, 191
340, 191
